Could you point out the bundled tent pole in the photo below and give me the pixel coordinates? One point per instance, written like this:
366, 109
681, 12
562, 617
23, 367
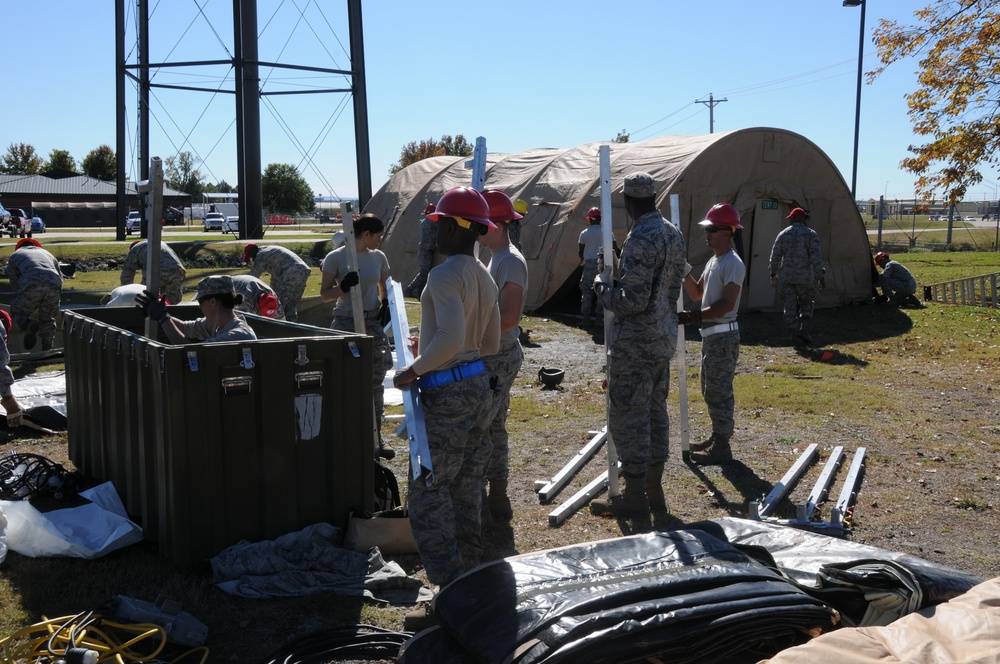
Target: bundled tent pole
609, 272
152, 193
548, 490
849, 492
478, 164
681, 353
760, 509
357, 306
420, 452
821, 488
581, 497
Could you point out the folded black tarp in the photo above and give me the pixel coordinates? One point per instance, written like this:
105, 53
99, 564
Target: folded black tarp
684, 595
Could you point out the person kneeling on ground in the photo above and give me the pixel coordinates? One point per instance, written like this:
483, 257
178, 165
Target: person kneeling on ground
219, 321
897, 283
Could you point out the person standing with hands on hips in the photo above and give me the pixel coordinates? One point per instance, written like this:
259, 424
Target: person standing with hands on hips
643, 339
459, 325
718, 290
369, 278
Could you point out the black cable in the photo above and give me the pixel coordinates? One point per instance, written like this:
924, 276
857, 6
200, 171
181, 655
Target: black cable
25, 475
344, 641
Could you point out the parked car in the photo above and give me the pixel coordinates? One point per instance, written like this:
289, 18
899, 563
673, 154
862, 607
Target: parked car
133, 223
4, 216
214, 221
232, 225
37, 225
968, 218
20, 223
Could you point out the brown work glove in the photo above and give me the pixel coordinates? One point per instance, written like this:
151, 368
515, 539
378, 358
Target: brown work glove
689, 317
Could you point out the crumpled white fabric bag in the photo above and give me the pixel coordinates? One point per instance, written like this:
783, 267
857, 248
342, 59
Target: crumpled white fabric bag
87, 531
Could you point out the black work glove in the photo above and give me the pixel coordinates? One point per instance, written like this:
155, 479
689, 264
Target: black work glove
689, 317
152, 307
349, 281
384, 313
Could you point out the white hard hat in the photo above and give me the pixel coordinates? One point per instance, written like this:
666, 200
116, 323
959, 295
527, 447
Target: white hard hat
338, 239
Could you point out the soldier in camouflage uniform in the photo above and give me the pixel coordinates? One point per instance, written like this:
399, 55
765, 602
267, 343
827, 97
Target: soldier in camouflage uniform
459, 325
289, 274
35, 276
510, 273
425, 253
258, 297
172, 270
797, 265
591, 239
7, 399
643, 339
368, 280
718, 290
897, 283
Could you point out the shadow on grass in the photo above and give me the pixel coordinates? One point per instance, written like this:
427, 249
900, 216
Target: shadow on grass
744, 480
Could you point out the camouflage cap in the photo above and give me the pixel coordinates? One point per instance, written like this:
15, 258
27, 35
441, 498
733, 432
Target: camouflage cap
640, 185
217, 284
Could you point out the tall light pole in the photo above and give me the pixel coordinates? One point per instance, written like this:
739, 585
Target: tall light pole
857, 106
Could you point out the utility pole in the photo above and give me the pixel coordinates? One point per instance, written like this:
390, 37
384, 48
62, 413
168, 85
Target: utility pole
711, 102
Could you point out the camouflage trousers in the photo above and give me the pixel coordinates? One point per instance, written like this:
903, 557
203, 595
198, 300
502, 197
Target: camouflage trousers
719, 354
445, 511
289, 290
381, 356
637, 417
41, 299
797, 301
172, 285
425, 261
589, 304
502, 367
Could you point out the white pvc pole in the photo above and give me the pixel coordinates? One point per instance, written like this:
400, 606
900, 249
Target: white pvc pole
681, 354
608, 242
357, 306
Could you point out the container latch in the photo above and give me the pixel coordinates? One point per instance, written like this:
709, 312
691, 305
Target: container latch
353, 345
301, 360
192, 360
247, 362
309, 379
237, 385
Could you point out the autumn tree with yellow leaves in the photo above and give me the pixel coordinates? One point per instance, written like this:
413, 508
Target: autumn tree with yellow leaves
957, 103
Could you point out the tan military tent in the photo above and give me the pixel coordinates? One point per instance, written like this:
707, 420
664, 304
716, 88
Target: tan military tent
763, 172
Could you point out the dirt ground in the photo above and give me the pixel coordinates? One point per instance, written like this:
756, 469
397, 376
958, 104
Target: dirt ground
929, 487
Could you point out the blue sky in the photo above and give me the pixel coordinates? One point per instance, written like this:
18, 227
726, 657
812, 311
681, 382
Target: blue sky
523, 74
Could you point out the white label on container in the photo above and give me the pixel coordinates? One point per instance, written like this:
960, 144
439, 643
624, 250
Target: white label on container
309, 415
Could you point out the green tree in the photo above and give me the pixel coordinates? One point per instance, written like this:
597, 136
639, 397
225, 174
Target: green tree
414, 151
21, 159
179, 173
622, 137
60, 160
283, 189
955, 103
101, 163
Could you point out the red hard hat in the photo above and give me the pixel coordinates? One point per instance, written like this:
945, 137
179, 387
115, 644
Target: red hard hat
26, 241
429, 208
722, 214
251, 248
880, 255
267, 305
464, 202
501, 207
6, 320
593, 213
797, 214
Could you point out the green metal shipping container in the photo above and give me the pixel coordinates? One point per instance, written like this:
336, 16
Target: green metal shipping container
211, 444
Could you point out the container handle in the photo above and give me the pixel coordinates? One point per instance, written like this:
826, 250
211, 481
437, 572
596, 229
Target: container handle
309, 379
237, 385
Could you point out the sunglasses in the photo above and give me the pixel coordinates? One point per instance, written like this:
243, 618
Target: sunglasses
712, 229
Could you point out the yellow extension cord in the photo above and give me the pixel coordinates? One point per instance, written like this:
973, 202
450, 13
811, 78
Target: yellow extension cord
112, 641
